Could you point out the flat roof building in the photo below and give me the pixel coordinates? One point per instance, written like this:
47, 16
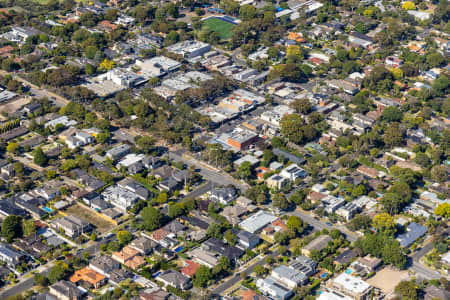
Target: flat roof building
257, 221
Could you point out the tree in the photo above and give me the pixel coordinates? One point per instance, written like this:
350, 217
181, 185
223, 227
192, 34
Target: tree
392, 114
58, 272
19, 168
280, 201
291, 127
230, 237
247, 12
359, 222
393, 136
28, 227
93, 237
152, 218
408, 5
202, 276
296, 224
106, 65
443, 210
384, 222
439, 173
397, 72
391, 203
162, 198
407, 290
245, 171
422, 159
214, 230
41, 280
39, 157
12, 227
403, 190
124, 237
12, 147
302, 106
259, 270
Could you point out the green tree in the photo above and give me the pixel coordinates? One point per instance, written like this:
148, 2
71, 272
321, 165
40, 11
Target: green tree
58, 272
12, 147
392, 114
393, 136
124, 237
439, 173
152, 218
28, 227
296, 224
12, 227
302, 106
214, 230
230, 237
202, 276
259, 270
41, 280
245, 171
280, 201
391, 203
443, 210
39, 157
407, 290
247, 12
384, 223
291, 127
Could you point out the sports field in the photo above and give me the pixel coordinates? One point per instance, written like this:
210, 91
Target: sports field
223, 28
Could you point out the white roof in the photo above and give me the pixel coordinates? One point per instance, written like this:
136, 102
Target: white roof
131, 159
257, 221
332, 295
351, 283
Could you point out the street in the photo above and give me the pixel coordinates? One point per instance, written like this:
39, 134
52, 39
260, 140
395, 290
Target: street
214, 176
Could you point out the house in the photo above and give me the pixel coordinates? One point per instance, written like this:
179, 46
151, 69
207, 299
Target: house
432, 292
247, 240
276, 181
10, 256
293, 172
135, 187
152, 162
289, 277
291, 157
257, 221
218, 246
369, 172
103, 265
66, 290
71, 226
345, 257
270, 287
247, 294
175, 279
317, 244
190, 268
204, 257
332, 204
8, 208
126, 254
79, 139
414, 231
175, 228
223, 195
117, 152
233, 213
120, 197
366, 265
304, 265
352, 287
153, 294
332, 295
88, 277
143, 245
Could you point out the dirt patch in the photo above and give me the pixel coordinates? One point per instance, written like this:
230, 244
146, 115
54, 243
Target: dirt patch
12, 106
101, 224
387, 279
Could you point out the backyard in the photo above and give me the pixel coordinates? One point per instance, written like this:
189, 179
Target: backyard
101, 224
222, 27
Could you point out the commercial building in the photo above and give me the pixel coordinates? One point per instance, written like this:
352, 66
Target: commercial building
189, 49
157, 66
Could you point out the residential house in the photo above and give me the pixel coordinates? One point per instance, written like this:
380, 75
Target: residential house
345, 257
223, 195
293, 172
352, 286
10, 256
175, 279
66, 290
270, 287
220, 247
71, 226
118, 152
288, 276
87, 277
190, 268
135, 187
143, 245
257, 221
103, 265
304, 265
247, 240
317, 244
414, 231
120, 197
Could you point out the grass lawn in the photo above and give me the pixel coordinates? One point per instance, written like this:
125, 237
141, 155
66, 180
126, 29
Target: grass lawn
222, 27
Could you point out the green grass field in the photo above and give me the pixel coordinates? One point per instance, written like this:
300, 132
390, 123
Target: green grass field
222, 27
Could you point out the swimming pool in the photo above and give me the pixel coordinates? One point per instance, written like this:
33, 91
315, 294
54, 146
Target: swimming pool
156, 274
324, 275
47, 209
179, 249
348, 271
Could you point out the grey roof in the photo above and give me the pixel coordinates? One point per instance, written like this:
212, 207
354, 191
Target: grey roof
293, 158
290, 273
67, 288
319, 243
413, 232
257, 221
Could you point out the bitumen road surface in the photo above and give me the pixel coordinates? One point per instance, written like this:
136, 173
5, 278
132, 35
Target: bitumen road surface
203, 189
21, 286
